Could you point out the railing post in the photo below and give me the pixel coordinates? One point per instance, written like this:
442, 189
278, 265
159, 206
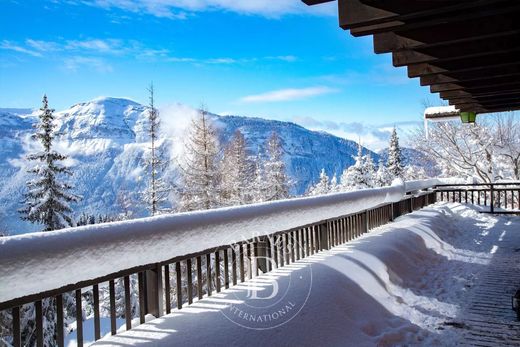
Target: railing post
366, 224
324, 236
261, 253
492, 199
154, 292
410, 204
392, 213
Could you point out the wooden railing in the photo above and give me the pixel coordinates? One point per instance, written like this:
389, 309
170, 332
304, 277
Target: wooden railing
501, 198
173, 283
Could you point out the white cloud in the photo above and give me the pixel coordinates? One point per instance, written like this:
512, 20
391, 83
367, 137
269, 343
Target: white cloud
97, 45
8, 45
176, 9
42, 46
97, 64
288, 94
374, 137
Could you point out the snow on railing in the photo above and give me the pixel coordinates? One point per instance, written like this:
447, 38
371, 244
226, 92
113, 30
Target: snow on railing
57, 258
40, 266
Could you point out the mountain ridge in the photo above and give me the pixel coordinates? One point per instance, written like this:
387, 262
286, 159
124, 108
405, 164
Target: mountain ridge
106, 140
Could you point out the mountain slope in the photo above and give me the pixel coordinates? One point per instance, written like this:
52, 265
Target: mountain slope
106, 140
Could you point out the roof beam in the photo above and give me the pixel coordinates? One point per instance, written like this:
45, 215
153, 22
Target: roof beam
508, 62
497, 87
472, 78
458, 24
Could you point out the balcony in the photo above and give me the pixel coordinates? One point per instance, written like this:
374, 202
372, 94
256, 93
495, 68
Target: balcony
346, 267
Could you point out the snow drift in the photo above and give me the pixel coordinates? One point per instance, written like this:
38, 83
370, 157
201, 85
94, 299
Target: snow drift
58, 258
397, 286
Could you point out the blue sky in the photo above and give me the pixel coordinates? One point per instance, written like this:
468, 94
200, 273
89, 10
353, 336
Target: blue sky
274, 59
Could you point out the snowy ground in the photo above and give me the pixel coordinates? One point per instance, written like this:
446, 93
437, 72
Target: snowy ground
404, 284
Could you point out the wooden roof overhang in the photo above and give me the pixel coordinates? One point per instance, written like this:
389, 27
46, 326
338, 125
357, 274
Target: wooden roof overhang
468, 51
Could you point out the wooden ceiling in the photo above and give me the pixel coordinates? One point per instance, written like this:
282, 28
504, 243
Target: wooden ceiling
468, 51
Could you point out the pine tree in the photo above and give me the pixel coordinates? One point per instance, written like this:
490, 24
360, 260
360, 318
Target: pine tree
355, 177
394, 163
382, 176
47, 200
236, 172
157, 191
277, 183
369, 170
200, 172
322, 186
259, 188
334, 186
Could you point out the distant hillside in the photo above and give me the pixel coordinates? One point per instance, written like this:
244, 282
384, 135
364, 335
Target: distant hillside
106, 140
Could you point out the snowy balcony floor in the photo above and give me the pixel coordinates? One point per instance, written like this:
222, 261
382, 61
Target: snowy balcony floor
440, 276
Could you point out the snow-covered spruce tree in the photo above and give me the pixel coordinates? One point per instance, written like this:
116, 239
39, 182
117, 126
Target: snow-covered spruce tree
236, 172
382, 176
394, 163
46, 202
259, 189
199, 168
369, 170
334, 187
157, 191
322, 186
356, 177
277, 183
48, 197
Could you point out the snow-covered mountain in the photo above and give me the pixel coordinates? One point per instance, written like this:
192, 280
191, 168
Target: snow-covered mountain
106, 140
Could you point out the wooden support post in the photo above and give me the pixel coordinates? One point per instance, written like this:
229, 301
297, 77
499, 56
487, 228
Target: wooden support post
261, 253
324, 236
39, 323
79, 319
366, 222
492, 201
392, 213
17, 335
155, 292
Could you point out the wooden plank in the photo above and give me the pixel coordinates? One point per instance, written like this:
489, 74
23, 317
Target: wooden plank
241, 259
39, 323
208, 274
97, 323
199, 277
167, 288
249, 260
189, 280
128, 307
142, 297
60, 338
112, 295
17, 335
234, 265
226, 268
79, 319
178, 284
354, 12
217, 271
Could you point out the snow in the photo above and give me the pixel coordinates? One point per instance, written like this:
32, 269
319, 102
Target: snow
88, 329
106, 140
67, 256
402, 284
441, 111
